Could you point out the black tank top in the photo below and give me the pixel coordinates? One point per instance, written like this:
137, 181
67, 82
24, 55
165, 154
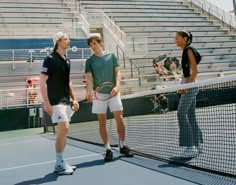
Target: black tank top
185, 62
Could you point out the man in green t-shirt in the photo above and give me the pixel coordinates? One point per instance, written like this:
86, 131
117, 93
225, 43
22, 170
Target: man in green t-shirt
103, 67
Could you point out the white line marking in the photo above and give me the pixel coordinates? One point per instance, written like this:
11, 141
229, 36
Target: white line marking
22, 141
47, 162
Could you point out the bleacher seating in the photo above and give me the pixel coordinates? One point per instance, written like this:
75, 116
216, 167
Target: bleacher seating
38, 19
150, 27
26, 29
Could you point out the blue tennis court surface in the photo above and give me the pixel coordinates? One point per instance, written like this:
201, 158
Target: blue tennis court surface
28, 159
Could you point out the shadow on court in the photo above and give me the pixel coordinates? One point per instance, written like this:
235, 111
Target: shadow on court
51, 177
98, 162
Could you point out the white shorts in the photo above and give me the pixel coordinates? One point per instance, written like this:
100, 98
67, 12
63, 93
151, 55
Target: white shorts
61, 113
100, 107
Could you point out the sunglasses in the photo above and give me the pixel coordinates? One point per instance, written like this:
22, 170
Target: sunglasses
155, 65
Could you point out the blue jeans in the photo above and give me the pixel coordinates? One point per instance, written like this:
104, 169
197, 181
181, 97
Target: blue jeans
190, 133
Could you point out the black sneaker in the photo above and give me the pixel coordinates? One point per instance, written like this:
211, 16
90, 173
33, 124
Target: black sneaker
126, 151
108, 155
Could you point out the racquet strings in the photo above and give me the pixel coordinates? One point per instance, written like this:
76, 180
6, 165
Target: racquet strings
103, 92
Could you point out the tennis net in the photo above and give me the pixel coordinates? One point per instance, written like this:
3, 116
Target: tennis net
156, 128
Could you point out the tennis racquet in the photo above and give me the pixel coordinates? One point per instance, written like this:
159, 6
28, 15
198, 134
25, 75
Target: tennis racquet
103, 91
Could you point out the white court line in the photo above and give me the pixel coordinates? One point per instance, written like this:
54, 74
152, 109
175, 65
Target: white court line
27, 140
47, 162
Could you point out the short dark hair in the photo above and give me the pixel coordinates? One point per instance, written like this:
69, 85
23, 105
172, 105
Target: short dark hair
159, 58
98, 39
170, 60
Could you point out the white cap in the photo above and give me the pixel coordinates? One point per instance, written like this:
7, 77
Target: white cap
57, 36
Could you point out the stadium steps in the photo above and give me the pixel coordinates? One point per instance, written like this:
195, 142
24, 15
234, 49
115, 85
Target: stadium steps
34, 17
144, 13
34, 4
163, 23
162, 18
172, 28
28, 13
158, 21
197, 44
150, 33
32, 1
37, 9
22, 18
197, 39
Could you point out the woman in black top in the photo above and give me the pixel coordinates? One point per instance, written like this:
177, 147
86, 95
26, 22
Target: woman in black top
190, 137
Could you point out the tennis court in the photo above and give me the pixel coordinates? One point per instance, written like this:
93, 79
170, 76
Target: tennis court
156, 134
27, 158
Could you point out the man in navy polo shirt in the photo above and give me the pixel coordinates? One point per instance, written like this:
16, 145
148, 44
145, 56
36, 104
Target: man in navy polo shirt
56, 90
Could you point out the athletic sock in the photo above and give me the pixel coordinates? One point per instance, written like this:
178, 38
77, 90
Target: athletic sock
107, 146
59, 158
122, 144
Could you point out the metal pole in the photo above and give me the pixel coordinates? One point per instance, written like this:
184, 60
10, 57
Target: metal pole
131, 67
13, 59
234, 3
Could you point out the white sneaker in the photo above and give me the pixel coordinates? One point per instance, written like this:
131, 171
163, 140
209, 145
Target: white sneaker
64, 169
189, 152
67, 165
73, 167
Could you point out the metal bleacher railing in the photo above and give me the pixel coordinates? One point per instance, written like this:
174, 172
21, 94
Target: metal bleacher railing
30, 55
139, 38
216, 11
15, 98
17, 65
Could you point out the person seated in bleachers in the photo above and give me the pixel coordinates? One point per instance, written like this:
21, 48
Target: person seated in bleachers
172, 65
168, 70
160, 102
160, 69
31, 91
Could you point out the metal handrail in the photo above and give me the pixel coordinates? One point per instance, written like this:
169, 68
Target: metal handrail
30, 55
118, 50
85, 24
112, 25
212, 9
12, 98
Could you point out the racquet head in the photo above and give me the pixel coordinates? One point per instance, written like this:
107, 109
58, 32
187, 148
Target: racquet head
103, 91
